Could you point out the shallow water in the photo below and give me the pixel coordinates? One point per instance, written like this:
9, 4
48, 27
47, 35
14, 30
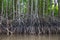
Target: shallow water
30, 37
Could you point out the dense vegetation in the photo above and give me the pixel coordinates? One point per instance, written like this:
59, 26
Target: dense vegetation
49, 7
30, 16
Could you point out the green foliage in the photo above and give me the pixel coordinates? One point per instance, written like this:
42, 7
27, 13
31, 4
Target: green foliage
56, 10
48, 6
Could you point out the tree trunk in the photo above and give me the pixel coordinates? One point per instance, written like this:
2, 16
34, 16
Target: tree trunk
59, 8
0, 6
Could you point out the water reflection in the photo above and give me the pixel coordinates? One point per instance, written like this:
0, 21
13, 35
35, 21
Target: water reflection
30, 37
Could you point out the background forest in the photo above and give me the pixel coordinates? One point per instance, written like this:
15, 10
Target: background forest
41, 7
30, 16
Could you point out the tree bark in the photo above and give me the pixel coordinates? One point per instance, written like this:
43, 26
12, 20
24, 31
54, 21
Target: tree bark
0, 6
59, 8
